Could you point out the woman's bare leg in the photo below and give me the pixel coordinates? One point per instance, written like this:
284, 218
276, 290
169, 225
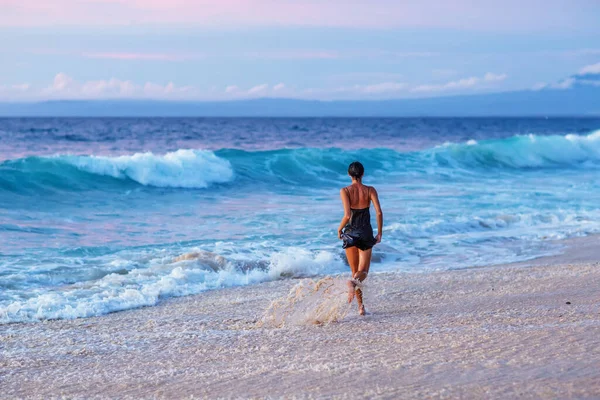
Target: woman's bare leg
364, 262
353, 261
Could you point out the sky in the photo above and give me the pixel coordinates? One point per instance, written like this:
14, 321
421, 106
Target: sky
306, 49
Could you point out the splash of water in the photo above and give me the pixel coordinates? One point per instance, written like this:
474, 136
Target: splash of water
310, 302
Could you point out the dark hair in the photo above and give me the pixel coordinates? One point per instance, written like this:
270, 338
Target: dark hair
356, 170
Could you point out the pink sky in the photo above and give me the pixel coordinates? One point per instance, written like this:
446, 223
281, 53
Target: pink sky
320, 49
474, 14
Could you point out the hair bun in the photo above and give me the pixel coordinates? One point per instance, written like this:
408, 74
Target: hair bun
356, 170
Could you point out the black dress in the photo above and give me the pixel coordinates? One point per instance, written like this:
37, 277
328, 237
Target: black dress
358, 232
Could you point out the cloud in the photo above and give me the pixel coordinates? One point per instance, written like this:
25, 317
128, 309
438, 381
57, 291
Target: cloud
385, 87
564, 84
155, 90
141, 56
465, 83
65, 87
588, 75
384, 90
62, 86
590, 69
15, 92
539, 86
62, 81
295, 54
259, 89
111, 87
22, 87
262, 90
491, 77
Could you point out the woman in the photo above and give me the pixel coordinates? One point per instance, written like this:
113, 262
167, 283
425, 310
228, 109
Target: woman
356, 231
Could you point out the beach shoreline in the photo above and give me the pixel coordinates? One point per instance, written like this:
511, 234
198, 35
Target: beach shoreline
530, 329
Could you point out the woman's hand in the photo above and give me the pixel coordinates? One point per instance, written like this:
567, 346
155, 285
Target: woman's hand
339, 234
378, 238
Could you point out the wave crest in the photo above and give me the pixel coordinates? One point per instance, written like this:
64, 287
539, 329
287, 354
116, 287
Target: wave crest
182, 168
289, 169
192, 169
522, 152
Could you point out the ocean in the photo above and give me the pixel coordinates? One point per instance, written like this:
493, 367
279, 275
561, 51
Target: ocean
107, 214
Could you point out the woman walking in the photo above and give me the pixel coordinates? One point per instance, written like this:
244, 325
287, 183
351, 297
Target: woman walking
356, 231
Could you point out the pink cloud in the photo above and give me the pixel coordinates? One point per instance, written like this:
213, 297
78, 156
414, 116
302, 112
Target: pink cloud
142, 56
295, 54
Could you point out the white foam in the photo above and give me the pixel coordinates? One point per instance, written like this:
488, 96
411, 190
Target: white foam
299, 262
181, 168
167, 275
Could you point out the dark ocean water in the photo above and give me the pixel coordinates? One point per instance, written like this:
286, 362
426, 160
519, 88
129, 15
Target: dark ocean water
94, 212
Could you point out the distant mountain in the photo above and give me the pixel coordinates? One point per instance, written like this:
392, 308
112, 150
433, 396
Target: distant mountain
582, 97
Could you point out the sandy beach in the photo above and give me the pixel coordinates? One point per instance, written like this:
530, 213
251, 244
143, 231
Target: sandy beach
529, 330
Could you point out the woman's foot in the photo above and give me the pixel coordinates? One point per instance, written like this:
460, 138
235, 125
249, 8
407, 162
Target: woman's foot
351, 291
359, 299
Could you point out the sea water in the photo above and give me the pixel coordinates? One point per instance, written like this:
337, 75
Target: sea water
101, 215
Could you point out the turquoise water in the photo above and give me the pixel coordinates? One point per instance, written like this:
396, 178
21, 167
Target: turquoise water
95, 215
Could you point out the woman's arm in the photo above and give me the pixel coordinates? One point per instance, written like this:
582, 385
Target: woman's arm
346, 217
375, 200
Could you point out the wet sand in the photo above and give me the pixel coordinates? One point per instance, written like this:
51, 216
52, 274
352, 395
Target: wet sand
530, 330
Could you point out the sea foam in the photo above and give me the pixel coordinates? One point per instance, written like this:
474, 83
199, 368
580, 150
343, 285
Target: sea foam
182, 168
163, 276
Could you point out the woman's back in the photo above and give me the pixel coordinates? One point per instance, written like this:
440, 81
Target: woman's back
359, 195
